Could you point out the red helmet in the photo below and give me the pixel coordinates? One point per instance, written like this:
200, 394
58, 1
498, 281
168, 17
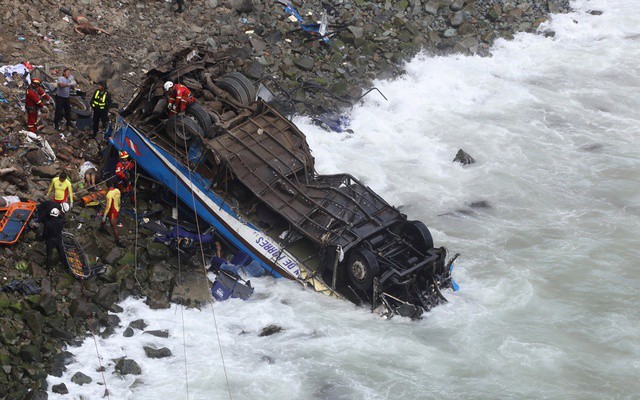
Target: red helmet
124, 154
36, 82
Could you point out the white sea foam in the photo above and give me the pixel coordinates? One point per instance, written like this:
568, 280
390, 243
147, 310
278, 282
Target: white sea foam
549, 272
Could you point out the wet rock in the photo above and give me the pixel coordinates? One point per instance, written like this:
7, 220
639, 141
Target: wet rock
48, 305
138, 324
480, 204
126, 366
30, 354
157, 353
108, 331
463, 158
34, 321
80, 379
36, 395
157, 251
107, 295
158, 333
270, 330
114, 255
60, 388
128, 332
161, 272
268, 359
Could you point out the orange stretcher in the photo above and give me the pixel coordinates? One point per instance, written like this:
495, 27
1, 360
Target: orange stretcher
76, 258
14, 221
93, 198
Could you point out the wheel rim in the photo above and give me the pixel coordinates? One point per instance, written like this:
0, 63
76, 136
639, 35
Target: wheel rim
359, 270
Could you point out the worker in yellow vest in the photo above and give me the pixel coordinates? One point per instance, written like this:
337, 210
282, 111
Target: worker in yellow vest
111, 212
100, 103
62, 191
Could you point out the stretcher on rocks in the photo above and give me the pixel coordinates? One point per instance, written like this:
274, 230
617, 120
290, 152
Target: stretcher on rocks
15, 220
77, 259
93, 199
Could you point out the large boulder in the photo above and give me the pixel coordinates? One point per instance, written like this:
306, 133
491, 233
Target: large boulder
125, 366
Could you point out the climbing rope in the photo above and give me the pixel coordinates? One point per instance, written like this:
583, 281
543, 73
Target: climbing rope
95, 341
204, 267
175, 191
135, 212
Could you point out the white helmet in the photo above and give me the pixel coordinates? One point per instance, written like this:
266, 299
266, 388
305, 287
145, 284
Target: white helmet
55, 212
168, 85
65, 207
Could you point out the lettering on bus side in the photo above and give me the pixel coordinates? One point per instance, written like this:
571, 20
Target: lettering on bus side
282, 259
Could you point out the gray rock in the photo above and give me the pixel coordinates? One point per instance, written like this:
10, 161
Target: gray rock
457, 5
34, 321
458, 19
463, 158
126, 366
431, 7
60, 389
114, 255
158, 251
243, 6
159, 333
305, 63
157, 353
450, 32
44, 171
138, 324
80, 379
48, 305
270, 330
30, 354
358, 32
128, 332
161, 272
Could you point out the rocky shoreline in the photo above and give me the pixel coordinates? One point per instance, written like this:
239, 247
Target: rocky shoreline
371, 41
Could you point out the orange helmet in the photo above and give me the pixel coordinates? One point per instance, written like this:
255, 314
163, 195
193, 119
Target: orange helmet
124, 154
36, 82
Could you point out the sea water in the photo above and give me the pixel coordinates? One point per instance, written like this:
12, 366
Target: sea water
547, 221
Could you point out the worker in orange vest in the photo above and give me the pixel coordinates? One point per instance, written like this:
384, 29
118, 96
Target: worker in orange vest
179, 97
34, 102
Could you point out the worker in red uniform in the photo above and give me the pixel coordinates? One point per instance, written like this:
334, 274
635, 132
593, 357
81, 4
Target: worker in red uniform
34, 102
124, 169
179, 97
111, 212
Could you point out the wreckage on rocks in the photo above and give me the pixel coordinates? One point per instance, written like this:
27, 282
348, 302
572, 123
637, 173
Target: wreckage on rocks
247, 171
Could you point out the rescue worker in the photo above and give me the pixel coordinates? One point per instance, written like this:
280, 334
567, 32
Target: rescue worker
124, 169
100, 103
52, 235
111, 212
62, 191
34, 102
180, 97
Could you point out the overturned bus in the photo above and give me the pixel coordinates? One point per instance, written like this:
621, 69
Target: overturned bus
247, 171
